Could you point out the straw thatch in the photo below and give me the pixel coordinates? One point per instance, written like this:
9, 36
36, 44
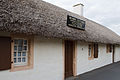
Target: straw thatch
37, 17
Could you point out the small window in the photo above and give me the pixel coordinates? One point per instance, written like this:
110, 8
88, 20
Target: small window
92, 51
108, 48
20, 52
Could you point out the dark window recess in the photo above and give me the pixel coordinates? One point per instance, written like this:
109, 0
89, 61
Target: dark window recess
109, 48
95, 50
5, 53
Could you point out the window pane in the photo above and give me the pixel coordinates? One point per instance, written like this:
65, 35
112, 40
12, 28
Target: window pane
19, 54
89, 52
19, 59
15, 47
15, 60
24, 54
20, 42
19, 48
25, 48
24, 59
15, 41
14, 54
25, 42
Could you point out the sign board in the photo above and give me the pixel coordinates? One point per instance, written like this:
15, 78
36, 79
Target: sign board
75, 23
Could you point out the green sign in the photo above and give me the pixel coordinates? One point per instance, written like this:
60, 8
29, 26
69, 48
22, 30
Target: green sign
75, 23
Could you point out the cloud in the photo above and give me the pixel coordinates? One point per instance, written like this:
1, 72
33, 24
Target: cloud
104, 12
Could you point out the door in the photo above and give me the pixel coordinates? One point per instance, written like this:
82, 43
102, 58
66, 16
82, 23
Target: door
69, 51
5, 53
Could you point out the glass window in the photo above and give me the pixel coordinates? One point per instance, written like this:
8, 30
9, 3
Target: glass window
20, 42
20, 52
19, 59
15, 60
89, 53
19, 48
15, 41
15, 54
15, 47
25, 42
23, 59
24, 54
25, 48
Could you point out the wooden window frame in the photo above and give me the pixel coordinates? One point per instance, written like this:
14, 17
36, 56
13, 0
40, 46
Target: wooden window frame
94, 50
30, 52
91, 46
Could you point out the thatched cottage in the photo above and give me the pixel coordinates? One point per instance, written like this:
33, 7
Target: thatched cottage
37, 43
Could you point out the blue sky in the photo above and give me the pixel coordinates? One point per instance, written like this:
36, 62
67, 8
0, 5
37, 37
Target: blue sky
105, 12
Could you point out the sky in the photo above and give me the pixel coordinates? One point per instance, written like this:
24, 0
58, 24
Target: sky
105, 12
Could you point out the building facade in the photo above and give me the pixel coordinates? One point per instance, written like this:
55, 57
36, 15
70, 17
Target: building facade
36, 43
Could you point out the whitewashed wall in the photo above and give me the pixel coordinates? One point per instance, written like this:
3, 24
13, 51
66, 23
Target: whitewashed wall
48, 62
85, 65
48, 59
117, 53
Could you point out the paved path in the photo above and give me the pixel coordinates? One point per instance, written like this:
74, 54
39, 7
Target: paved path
110, 72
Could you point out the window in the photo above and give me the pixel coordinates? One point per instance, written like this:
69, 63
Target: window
22, 52
92, 51
108, 48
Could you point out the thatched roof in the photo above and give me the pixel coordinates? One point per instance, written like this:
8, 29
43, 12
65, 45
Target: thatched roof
37, 17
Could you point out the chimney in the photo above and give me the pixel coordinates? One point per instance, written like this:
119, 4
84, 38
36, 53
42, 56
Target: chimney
78, 9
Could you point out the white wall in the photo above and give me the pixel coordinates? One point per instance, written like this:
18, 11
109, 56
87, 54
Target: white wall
117, 53
48, 62
85, 65
49, 59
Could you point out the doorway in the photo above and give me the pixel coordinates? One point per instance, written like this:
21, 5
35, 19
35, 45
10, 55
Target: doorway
69, 58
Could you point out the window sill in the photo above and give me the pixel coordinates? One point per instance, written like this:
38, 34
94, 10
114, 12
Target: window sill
21, 68
90, 58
